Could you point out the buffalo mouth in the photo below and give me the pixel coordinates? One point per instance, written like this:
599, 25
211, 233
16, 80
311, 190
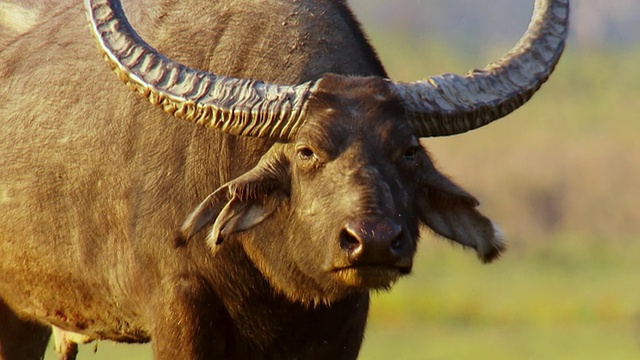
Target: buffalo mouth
369, 276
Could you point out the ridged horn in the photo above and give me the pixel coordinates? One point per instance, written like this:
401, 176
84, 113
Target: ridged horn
237, 106
450, 104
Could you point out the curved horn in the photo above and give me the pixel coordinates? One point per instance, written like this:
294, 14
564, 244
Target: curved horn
236, 106
450, 104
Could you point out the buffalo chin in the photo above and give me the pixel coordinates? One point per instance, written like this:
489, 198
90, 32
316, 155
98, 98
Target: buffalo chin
369, 277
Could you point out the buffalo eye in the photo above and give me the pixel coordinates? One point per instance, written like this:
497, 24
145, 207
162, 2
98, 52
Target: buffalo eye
411, 153
306, 154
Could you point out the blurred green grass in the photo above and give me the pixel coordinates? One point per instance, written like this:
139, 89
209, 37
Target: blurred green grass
573, 298
562, 177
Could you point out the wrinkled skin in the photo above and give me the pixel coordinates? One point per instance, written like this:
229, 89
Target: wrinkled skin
278, 259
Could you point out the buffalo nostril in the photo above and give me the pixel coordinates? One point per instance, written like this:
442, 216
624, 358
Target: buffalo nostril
349, 242
396, 244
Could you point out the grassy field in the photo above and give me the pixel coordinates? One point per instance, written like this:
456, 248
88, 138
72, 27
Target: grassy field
572, 298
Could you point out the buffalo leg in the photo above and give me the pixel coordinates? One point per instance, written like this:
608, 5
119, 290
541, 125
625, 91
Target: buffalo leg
21, 339
68, 352
65, 347
183, 325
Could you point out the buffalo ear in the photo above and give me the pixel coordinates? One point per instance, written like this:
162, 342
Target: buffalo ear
243, 202
238, 215
205, 213
451, 212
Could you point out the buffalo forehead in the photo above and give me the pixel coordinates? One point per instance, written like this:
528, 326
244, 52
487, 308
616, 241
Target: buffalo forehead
349, 110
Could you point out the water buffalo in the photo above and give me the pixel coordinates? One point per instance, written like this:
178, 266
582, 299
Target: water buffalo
255, 229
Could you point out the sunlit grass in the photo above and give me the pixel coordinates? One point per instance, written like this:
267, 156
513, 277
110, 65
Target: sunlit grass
572, 298
496, 341
567, 280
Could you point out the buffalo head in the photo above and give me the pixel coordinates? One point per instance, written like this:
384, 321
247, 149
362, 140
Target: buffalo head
334, 206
